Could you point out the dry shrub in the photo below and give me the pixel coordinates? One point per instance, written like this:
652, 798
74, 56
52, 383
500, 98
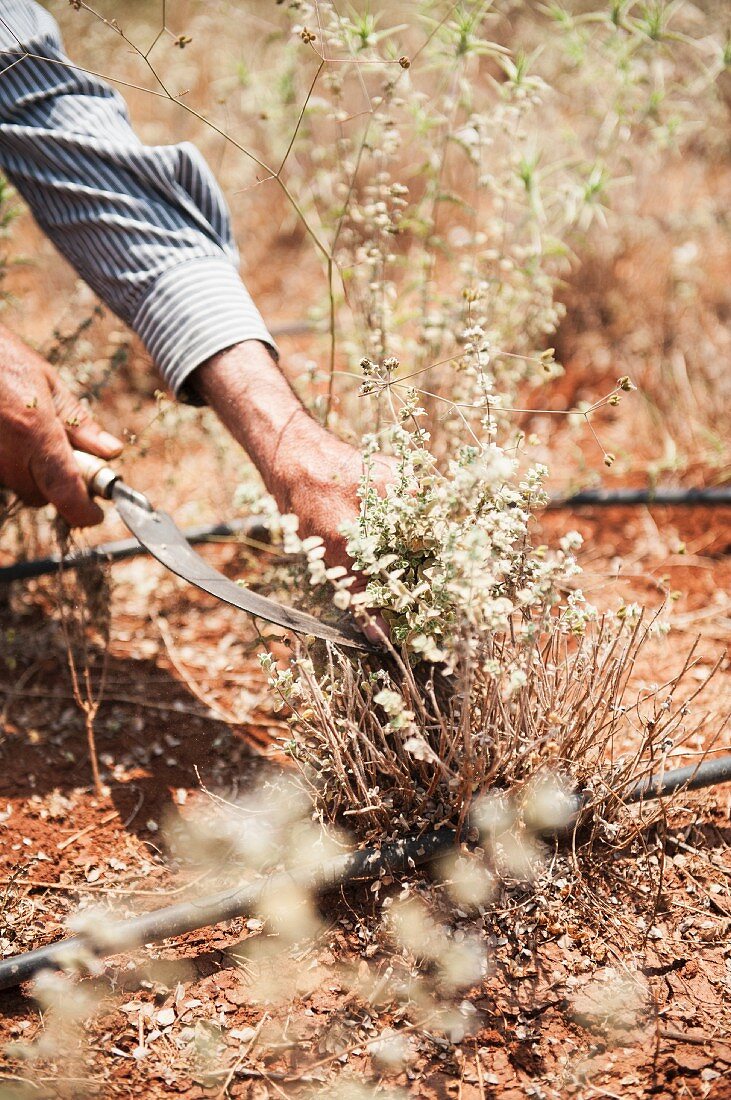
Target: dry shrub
452, 274
571, 716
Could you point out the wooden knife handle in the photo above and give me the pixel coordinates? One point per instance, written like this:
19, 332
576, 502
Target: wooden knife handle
99, 477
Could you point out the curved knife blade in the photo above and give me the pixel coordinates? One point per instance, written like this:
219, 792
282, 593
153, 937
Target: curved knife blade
159, 534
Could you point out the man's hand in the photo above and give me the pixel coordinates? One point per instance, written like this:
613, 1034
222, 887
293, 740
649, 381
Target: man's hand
308, 470
325, 496
40, 422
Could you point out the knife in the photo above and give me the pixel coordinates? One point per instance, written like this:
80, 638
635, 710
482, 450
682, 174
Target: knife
162, 538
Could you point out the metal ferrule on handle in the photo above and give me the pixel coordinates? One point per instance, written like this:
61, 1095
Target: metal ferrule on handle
99, 477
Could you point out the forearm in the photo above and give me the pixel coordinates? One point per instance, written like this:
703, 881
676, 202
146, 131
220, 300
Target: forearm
251, 396
308, 470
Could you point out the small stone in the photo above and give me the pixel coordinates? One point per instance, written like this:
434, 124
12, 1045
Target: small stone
243, 1034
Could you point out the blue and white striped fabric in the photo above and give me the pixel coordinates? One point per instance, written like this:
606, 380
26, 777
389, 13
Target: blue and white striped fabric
146, 227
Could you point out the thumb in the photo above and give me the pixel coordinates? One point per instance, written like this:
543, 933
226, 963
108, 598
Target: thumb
80, 426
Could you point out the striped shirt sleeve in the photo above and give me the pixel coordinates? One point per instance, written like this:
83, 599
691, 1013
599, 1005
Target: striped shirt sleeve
146, 227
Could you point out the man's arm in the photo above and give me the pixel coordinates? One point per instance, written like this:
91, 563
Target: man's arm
146, 227
307, 469
149, 230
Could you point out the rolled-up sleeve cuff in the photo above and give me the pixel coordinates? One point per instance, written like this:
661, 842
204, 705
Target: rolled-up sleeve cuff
195, 310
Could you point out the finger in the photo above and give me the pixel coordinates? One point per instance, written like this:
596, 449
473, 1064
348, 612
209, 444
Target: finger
15, 472
58, 481
25, 489
80, 426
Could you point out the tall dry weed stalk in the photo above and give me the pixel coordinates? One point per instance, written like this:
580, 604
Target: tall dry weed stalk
85, 614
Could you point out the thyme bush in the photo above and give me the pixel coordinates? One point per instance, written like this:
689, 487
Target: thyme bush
452, 215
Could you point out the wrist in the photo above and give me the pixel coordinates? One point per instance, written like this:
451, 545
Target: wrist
247, 390
233, 369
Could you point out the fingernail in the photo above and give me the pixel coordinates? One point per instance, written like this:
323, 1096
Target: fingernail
110, 442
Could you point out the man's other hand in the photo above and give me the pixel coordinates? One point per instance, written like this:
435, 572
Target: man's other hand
40, 423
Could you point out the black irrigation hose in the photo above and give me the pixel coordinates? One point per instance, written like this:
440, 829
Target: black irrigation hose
605, 498
188, 916
121, 550
692, 778
130, 548
369, 863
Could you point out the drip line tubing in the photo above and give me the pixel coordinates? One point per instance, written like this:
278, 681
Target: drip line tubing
623, 498
256, 527
122, 549
398, 857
